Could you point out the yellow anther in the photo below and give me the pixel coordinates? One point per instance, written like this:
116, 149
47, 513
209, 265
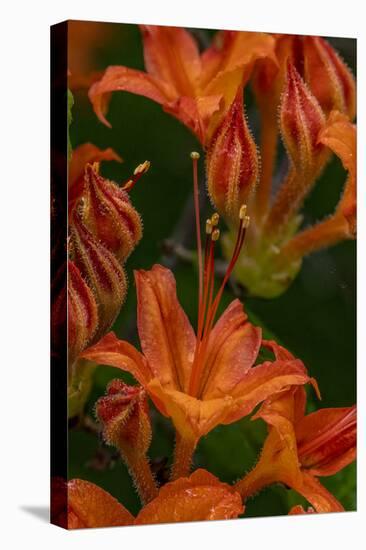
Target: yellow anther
215, 234
195, 155
246, 221
208, 227
96, 166
142, 168
215, 219
242, 211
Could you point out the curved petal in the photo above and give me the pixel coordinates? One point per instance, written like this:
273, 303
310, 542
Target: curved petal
318, 496
81, 156
171, 55
232, 49
91, 506
327, 440
166, 335
263, 381
191, 417
197, 498
117, 353
124, 79
339, 135
232, 350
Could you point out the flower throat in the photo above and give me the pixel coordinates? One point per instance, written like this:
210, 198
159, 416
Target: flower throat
207, 303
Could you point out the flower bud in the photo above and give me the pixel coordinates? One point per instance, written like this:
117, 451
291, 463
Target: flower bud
328, 77
124, 415
301, 119
101, 270
109, 214
82, 313
232, 162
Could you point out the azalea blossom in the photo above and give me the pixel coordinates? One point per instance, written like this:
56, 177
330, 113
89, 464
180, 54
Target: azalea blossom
199, 380
200, 497
299, 448
196, 88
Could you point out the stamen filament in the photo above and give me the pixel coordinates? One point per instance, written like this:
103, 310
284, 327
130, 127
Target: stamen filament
195, 156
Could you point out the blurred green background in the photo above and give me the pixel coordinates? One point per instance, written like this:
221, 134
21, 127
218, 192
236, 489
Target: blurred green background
315, 318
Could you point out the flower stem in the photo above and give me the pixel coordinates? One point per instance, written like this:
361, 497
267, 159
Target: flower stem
140, 470
183, 455
252, 483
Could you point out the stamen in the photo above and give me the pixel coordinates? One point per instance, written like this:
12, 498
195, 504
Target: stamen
195, 156
208, 227
215, 219
215, 234
138, 172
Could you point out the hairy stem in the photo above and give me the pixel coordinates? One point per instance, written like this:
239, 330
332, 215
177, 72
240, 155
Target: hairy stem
183, 455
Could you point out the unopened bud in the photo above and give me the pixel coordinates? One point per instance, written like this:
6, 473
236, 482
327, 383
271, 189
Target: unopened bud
232, 162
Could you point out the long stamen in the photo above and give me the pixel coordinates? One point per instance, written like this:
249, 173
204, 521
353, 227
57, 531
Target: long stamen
195, 156
138, 172
208, 307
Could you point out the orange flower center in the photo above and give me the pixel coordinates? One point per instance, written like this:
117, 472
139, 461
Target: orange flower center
207, 303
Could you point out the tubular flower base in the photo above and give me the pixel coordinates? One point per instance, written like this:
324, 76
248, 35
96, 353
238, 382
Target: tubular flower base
200, 497
196, 88
300, 447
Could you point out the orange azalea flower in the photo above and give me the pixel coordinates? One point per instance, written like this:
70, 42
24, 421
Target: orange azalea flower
193, 87
201, 380
275, 246
200, 497
300, 447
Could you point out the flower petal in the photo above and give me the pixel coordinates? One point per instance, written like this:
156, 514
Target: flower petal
166, 335
339, 134
261, 382
192, 417
172, 56
318, 496
232, 350
117, 353
327, 440
197, 498
123, 79
91, 506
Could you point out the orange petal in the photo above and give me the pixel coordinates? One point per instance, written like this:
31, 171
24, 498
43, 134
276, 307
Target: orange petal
81, 156
298, 509
261, 382
124, 79
339, 135
166, 336
327, 440
197, 498
318, 496
192, 417
232, 49
117, 353
172, 56
91, 506
232, 350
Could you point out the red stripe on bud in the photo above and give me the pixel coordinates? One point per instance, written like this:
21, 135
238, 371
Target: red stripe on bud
232, 162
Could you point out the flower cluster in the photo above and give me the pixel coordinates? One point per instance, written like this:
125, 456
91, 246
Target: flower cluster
304, 92
223, 370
